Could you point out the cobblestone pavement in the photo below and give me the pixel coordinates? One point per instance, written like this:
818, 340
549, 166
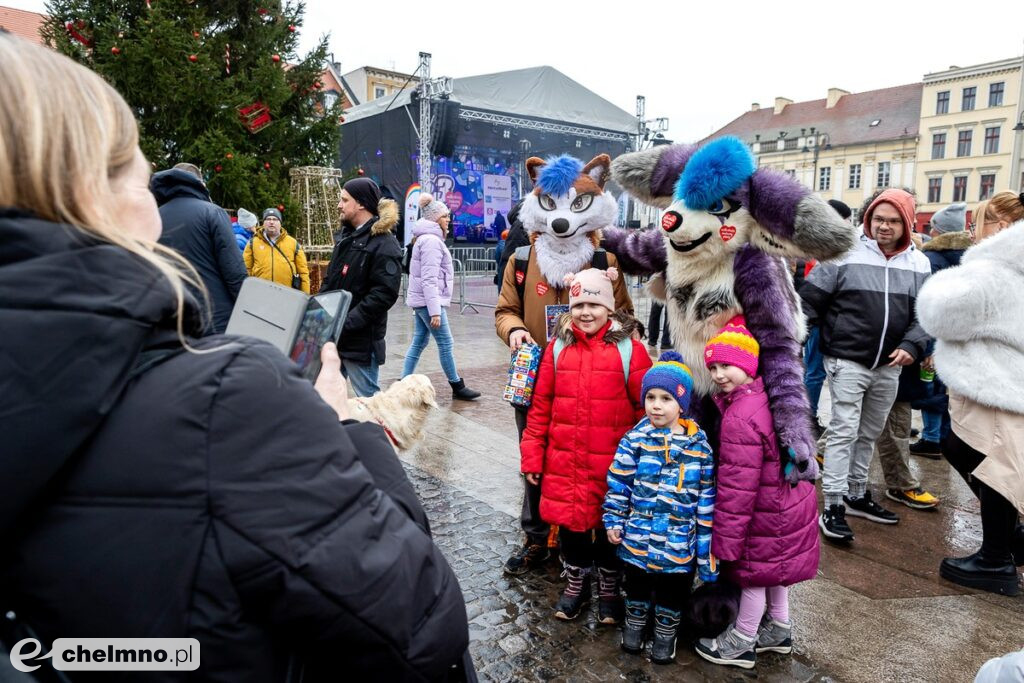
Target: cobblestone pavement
877, 611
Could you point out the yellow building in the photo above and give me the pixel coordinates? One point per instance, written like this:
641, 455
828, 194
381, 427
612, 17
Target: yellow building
844, 146
368, 83
970, 129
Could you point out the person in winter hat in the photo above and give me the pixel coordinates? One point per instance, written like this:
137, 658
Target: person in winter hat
431, 278
658, 509
571, 435
952, 218
244, 226
764, 530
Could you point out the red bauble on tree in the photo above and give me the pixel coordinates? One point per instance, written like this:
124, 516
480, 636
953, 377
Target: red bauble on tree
218, 168
275, 58
193, 58
115, 50
229, 155
291, 28
280, 207
361, 172
266, 165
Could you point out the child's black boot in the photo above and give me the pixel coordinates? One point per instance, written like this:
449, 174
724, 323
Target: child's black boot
635, 626
666, 627
609, 608
576, 595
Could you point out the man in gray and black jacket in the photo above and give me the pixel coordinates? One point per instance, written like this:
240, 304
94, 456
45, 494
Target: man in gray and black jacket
865, 307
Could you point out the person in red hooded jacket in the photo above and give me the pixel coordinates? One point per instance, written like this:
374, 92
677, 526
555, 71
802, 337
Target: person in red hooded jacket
586, 397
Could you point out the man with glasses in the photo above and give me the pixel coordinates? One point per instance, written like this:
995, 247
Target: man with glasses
864, 304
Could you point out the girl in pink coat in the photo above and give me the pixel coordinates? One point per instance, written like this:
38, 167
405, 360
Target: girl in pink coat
765, 530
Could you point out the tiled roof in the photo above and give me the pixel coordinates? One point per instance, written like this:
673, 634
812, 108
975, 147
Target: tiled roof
897, 109
22, 23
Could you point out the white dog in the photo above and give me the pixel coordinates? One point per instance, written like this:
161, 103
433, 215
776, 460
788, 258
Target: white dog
401, 409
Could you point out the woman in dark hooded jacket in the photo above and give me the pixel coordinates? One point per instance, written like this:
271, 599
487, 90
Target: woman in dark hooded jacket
154, 490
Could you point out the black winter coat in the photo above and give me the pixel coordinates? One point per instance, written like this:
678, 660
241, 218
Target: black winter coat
213, 496
201, 231
367, 261
946, 250
517, 237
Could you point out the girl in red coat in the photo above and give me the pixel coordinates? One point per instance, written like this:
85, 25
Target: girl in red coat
765, 530
586, 397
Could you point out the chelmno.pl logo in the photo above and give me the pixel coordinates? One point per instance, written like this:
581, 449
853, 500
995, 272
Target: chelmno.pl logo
109, 654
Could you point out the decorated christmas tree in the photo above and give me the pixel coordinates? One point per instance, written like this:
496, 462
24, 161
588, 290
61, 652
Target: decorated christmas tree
216, 83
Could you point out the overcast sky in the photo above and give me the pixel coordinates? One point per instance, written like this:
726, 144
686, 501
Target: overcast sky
699, 68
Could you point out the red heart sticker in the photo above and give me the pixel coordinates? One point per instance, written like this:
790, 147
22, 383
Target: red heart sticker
344, 268
709, 353
575, 290
542, 288
520, 277
669, 221
727, 232
680, 390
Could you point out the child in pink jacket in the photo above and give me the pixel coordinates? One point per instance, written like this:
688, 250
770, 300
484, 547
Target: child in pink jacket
765, 530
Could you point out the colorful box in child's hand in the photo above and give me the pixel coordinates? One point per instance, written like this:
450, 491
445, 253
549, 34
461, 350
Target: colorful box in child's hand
522, 375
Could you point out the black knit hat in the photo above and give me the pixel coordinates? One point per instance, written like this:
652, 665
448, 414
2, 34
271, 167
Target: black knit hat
841, 208
365, 192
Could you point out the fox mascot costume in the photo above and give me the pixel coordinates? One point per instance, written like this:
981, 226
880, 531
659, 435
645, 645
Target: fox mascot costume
726, 227
563, 216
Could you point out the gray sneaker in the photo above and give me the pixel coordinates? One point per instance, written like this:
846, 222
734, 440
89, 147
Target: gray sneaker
729, 648
774, 636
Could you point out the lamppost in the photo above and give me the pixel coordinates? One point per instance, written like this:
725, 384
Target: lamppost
824, 137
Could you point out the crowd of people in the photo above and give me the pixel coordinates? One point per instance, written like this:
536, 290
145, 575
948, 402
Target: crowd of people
296, 537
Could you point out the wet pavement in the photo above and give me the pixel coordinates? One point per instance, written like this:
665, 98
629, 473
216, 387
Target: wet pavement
877, 611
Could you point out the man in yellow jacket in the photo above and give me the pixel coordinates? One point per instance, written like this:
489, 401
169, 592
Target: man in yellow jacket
273, 254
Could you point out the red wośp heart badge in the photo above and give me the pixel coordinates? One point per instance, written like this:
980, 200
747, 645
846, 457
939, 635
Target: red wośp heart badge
727, 232
542, 288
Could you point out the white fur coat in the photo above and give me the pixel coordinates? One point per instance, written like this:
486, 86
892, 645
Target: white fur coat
975, 311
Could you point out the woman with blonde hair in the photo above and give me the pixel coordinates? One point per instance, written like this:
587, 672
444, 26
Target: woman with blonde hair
158, 484
977, 321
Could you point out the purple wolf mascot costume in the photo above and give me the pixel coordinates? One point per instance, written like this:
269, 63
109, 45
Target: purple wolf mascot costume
724, 231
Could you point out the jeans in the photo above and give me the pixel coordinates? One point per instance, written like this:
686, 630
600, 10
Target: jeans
861, 401
670, 589
420, 339
894, 448
936, 426
363, 377
814, 369
535, 528
752, 605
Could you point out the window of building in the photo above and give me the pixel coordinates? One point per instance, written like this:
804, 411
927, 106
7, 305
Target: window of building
970, 94
995, 94
854, 177
938, 145
330, 99
825, 177
791, 172
988, 186
960, 188
934, 190
992, 140
378, 92
942, 102
963, 143
883, 174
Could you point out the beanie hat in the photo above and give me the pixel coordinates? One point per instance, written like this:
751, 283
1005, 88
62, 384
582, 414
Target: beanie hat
841, 208
734, 345
272, 212
431, 209
247, 219
952, 218
672, 375
592, 285
365, 192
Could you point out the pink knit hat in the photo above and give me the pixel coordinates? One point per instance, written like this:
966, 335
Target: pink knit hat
734, 345
592, 285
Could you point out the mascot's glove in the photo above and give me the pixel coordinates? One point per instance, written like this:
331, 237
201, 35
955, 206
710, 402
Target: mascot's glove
801, 465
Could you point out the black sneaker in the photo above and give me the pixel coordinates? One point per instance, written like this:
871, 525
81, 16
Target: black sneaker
530, 556
926, 449
869, 509
833, 524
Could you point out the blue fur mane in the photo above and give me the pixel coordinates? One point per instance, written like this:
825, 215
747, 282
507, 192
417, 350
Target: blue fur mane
714, 171
558, 175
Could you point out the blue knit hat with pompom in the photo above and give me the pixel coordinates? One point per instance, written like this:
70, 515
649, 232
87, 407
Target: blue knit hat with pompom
671, 374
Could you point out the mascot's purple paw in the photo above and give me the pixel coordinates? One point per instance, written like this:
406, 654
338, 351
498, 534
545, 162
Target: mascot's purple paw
802, 465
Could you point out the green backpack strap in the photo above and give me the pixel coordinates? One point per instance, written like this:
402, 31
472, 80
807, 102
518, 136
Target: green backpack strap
624, 347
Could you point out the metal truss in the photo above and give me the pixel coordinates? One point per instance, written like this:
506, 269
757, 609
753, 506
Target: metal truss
544, 127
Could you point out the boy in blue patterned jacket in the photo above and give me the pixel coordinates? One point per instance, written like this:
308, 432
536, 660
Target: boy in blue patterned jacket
659, 506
